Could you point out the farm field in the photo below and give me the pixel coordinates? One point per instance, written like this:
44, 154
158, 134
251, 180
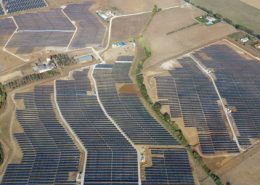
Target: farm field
242, 169
137, 5
129, 27
236, 10
254, 3
180, 35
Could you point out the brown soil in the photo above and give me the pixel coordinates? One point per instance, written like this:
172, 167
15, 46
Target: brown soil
127, 89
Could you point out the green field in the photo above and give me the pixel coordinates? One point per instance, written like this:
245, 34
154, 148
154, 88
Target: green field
237, 11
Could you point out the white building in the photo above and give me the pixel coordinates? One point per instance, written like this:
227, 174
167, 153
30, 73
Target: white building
41, 68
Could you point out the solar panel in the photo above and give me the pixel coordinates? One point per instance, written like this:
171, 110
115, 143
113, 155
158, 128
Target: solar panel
191, 95
13, 6
49, 154
111, 158
90, 30
237, 79
169, 166
126, 109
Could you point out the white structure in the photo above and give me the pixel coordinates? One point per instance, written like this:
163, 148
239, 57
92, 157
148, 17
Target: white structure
105, 15
244, 40
41, 68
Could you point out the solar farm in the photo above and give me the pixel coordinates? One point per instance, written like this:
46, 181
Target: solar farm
13, 6
191, 95
112, 156
67, 28
49, 155
106, 92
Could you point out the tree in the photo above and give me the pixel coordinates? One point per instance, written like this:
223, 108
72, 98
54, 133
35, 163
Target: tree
157, 106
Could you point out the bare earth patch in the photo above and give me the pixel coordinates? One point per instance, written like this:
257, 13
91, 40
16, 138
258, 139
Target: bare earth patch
165, 47
129, 27
244, 169
127, 89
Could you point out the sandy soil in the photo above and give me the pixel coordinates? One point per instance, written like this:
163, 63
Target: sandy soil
8, 61
15, 74
244, 169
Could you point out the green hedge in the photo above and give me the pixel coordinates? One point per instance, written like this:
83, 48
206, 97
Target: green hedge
3, 96
1, 154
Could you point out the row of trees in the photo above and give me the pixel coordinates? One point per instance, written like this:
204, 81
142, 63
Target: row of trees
3, 95
63, 59
30, 79
166, 118
227, 20
1, 154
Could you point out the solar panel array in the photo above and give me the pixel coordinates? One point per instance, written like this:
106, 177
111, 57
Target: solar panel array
26, 42
1, 10
49, 155
7, 27
191, 95
126, 109
238, 82
169, 166
13, 6
111, 159
53, 19
90, 30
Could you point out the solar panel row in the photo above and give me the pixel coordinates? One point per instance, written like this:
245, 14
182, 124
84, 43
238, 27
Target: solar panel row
52, 19
27, 42
13, 6
49, 155
7, 27
169, 166
1, 10
111, 159
90, 30
237, 79
127, 110
192, 96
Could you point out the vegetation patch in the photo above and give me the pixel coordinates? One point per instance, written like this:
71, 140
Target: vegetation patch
25, 80
1, 154
63, 59
252, 42
208, 19
3, 95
